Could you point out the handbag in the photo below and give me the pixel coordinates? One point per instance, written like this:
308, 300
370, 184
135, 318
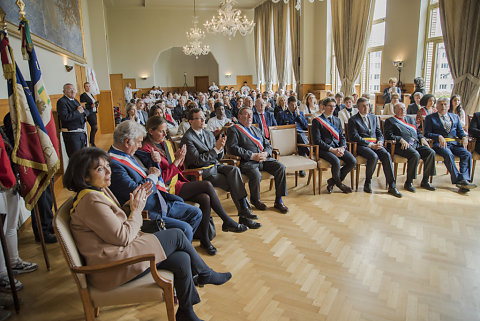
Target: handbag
152, 226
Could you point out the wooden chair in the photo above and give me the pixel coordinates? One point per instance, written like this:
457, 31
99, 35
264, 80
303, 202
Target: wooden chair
471, 147
284, 141
156, 286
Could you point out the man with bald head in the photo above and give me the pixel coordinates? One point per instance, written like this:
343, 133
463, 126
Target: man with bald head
412, 145
263, 118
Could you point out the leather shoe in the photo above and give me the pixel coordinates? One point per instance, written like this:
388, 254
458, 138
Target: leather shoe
211, 250
466, 185
330, 185
239, 228
409, 187
394, 191
49, 238
302, 173
344, 188
426, 185
250, 223
259, 205
463, 190
281, 207
248, 214
367, 188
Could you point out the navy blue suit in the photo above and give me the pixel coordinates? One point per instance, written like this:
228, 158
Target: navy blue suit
288, 118
474, 130
433, 128
174, 212
71, 119
269, 119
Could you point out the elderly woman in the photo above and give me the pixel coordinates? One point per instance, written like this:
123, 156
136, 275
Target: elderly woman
388, 109
428, 107
415, 106
104, 232
392, 88
131, 111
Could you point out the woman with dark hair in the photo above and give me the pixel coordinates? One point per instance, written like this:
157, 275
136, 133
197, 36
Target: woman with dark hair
104, 232
159, 109
419, 86
456, 108
157, 150
428, 107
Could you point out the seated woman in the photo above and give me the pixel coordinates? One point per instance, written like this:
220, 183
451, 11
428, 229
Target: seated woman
281, 105
131, 111
388, 108
309, 105
185, 124
104, 233
201, 192
161, 110
456, 108
428, 107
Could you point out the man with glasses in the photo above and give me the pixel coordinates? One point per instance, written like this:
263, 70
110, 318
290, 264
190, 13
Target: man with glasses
204, 152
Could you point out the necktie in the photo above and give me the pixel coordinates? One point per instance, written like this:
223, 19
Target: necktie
330, 120
202, 138
264, 125
448, 124
367, 122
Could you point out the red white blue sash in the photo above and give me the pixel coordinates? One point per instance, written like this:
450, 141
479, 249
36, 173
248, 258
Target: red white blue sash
247, 132
407, 125
329, 126
131, 163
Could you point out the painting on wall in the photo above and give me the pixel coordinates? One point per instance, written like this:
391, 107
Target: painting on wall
55, 25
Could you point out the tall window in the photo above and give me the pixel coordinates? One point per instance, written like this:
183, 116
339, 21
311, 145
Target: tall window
436, 72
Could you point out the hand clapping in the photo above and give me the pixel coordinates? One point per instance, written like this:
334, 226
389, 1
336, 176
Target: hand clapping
139, 196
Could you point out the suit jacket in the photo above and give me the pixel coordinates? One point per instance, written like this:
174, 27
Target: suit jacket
269, 119
413, 108
322, 137
70, 118
338, 108
179, 113
433, 128
287, 118
142, 116
358, 130
395, 131
240, 145
474, 130
201, 154
104, 234
89, 103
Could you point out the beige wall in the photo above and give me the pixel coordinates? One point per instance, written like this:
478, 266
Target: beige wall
137, 36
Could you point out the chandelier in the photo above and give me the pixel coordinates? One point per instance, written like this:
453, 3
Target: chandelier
229, 21
195, 36
298, 5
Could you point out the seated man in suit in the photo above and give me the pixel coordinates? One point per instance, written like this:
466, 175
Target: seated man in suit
363, 129
255, 153
204, 152
339, 104
263, 118
128, 172
413, 146
142, 115
180, 111
327, 133
444, 128
474, 130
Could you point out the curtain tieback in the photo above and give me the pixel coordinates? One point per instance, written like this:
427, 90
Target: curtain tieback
468, 76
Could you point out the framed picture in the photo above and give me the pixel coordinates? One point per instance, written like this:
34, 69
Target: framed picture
55, 25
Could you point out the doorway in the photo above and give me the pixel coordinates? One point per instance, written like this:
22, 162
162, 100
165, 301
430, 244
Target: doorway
201, 83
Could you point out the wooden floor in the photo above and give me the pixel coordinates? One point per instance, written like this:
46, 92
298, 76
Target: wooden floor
332, 257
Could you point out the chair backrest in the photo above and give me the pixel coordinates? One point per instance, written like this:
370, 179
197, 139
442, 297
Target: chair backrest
67, 243
284, 138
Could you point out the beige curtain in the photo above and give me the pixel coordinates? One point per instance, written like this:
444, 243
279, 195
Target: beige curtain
352, 23
295, 41
263, 19
279, 37
461, 35
257, 31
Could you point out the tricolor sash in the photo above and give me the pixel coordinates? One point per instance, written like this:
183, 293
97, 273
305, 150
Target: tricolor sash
407, 125
329, 126
131, 163
450, 139
254, 138
370, 139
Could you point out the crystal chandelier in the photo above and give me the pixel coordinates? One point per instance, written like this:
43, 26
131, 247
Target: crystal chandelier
195, 36
298, 5
229, 21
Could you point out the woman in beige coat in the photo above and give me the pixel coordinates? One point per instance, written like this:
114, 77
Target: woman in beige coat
104, 233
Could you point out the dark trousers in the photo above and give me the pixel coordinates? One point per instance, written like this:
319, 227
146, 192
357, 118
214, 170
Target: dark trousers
74, 142
92, 120
372, 157
449, 154
339, 174
229, 178
302, 139
45, 203
414, 155
252, 170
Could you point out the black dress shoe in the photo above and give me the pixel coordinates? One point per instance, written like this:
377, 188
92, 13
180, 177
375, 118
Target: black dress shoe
466, 185
330, 184
344, 188
211, 250
281, 207
248, 214
250, 223
367, 188
409, 187
49, 238
462, 190
239, 228
302, 173
259, 205
394, 191
426, 185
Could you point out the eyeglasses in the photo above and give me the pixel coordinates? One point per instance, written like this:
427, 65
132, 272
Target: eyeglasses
199, 118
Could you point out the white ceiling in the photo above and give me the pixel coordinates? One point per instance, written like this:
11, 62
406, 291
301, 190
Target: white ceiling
201, 4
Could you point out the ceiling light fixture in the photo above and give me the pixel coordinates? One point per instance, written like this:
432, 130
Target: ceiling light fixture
298, 5
195, 36
229, 21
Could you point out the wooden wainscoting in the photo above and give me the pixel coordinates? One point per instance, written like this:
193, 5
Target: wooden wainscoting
106, 117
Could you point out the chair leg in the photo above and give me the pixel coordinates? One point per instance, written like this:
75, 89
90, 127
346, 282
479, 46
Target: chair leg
87, 305
296, 178
320, 172
395, 170
351, 178
170, 304
312, 174
420, 168
473, 169
309, 177
378, 169
404, 169
357, 178
271, 184
97, 312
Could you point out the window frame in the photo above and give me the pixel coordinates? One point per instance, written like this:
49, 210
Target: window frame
364, 79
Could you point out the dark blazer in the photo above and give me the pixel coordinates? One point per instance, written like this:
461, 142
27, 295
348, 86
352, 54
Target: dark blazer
287, 118
387, 97
240, 145
201, 154
269, 119
89, 103
322, 137
413, 108
145, 116
338, 108
179, 113
433, 127
70, 118
474, 130
358, 130
395, 131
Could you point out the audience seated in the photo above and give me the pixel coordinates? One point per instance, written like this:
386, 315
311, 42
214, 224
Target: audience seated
388, 108
216, 123
309, 105
345, 114
392, 88
428, 107
131, 113
456, 108
340, 105
415, 106
263, 118
474, 130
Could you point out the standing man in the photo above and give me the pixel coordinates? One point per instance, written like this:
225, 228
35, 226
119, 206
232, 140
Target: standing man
327, 133
72, 120
363, 129
263, 118
255, 153
413, 146
91, 104
444, 128
245, 89
128, 92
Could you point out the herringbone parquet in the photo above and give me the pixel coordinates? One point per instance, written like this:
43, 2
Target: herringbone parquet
332, 257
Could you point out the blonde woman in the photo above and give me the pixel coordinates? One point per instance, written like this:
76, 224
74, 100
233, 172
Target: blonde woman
281, 105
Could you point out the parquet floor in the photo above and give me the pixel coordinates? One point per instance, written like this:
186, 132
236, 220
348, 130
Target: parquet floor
332, 257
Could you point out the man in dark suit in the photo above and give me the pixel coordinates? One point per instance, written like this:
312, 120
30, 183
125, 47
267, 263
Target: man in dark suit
180, 111
91, 104
327, 133
142, 115
363, 129
444, 128
72, 118
203, 151
339, 103
263, 118
412, 145
255, 153
128, 172
474, 130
